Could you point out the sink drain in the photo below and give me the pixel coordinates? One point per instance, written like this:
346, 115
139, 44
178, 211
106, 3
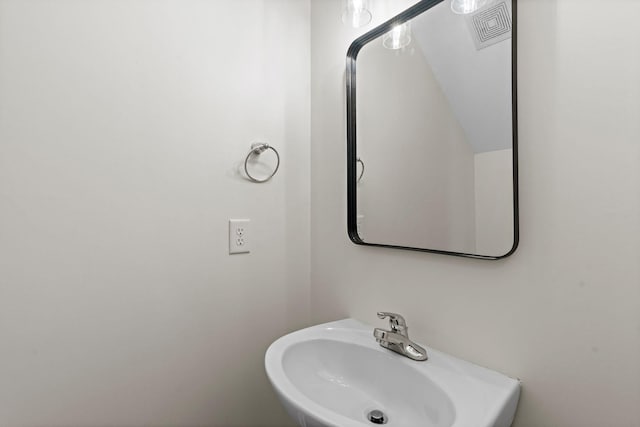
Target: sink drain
377, 417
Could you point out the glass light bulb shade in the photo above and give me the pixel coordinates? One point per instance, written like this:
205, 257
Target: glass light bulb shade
398, 37
466, 6
356, 13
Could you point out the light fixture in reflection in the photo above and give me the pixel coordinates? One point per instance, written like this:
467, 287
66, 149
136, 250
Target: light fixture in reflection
356, 12
398, 37
466, 6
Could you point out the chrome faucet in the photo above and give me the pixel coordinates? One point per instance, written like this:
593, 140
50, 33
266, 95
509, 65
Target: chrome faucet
397, 339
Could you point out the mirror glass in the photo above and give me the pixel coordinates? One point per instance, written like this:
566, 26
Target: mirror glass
432, 131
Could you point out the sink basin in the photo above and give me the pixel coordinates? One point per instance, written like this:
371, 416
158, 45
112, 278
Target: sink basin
335, 375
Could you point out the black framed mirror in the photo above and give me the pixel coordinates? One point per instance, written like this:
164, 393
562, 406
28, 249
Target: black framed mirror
432, 130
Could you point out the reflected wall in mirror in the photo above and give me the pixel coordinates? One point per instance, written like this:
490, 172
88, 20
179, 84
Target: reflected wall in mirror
431, 131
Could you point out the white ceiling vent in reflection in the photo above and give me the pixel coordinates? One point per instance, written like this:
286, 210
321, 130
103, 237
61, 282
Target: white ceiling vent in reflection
490, 25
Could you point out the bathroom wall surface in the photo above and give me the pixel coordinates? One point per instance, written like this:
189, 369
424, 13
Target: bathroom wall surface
562, 313
493, 179
122, 129
392, 196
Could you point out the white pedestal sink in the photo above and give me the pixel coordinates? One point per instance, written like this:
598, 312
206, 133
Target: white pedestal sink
335, 375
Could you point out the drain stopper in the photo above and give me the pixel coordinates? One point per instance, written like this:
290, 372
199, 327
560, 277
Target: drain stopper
377, 417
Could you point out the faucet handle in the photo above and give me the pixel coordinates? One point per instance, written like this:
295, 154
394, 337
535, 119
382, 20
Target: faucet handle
396, 321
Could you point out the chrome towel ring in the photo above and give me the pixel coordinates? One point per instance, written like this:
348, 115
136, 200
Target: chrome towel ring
257, 149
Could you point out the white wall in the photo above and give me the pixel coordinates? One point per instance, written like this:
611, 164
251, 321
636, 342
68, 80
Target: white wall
493, 173
563, 313
121, 128
418, 184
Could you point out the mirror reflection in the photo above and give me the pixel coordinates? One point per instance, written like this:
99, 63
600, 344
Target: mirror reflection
433, 114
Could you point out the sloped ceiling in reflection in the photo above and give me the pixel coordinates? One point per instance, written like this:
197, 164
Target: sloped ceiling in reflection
477, 83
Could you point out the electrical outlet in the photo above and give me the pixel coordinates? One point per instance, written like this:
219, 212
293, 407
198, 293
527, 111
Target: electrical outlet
239, 236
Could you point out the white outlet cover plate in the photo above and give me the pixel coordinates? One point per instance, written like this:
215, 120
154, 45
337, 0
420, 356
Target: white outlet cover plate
239, 240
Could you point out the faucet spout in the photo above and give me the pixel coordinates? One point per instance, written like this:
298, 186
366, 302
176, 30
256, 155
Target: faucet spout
397, 339
396, 322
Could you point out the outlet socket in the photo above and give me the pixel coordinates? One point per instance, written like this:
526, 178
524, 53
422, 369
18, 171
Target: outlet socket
239, 236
